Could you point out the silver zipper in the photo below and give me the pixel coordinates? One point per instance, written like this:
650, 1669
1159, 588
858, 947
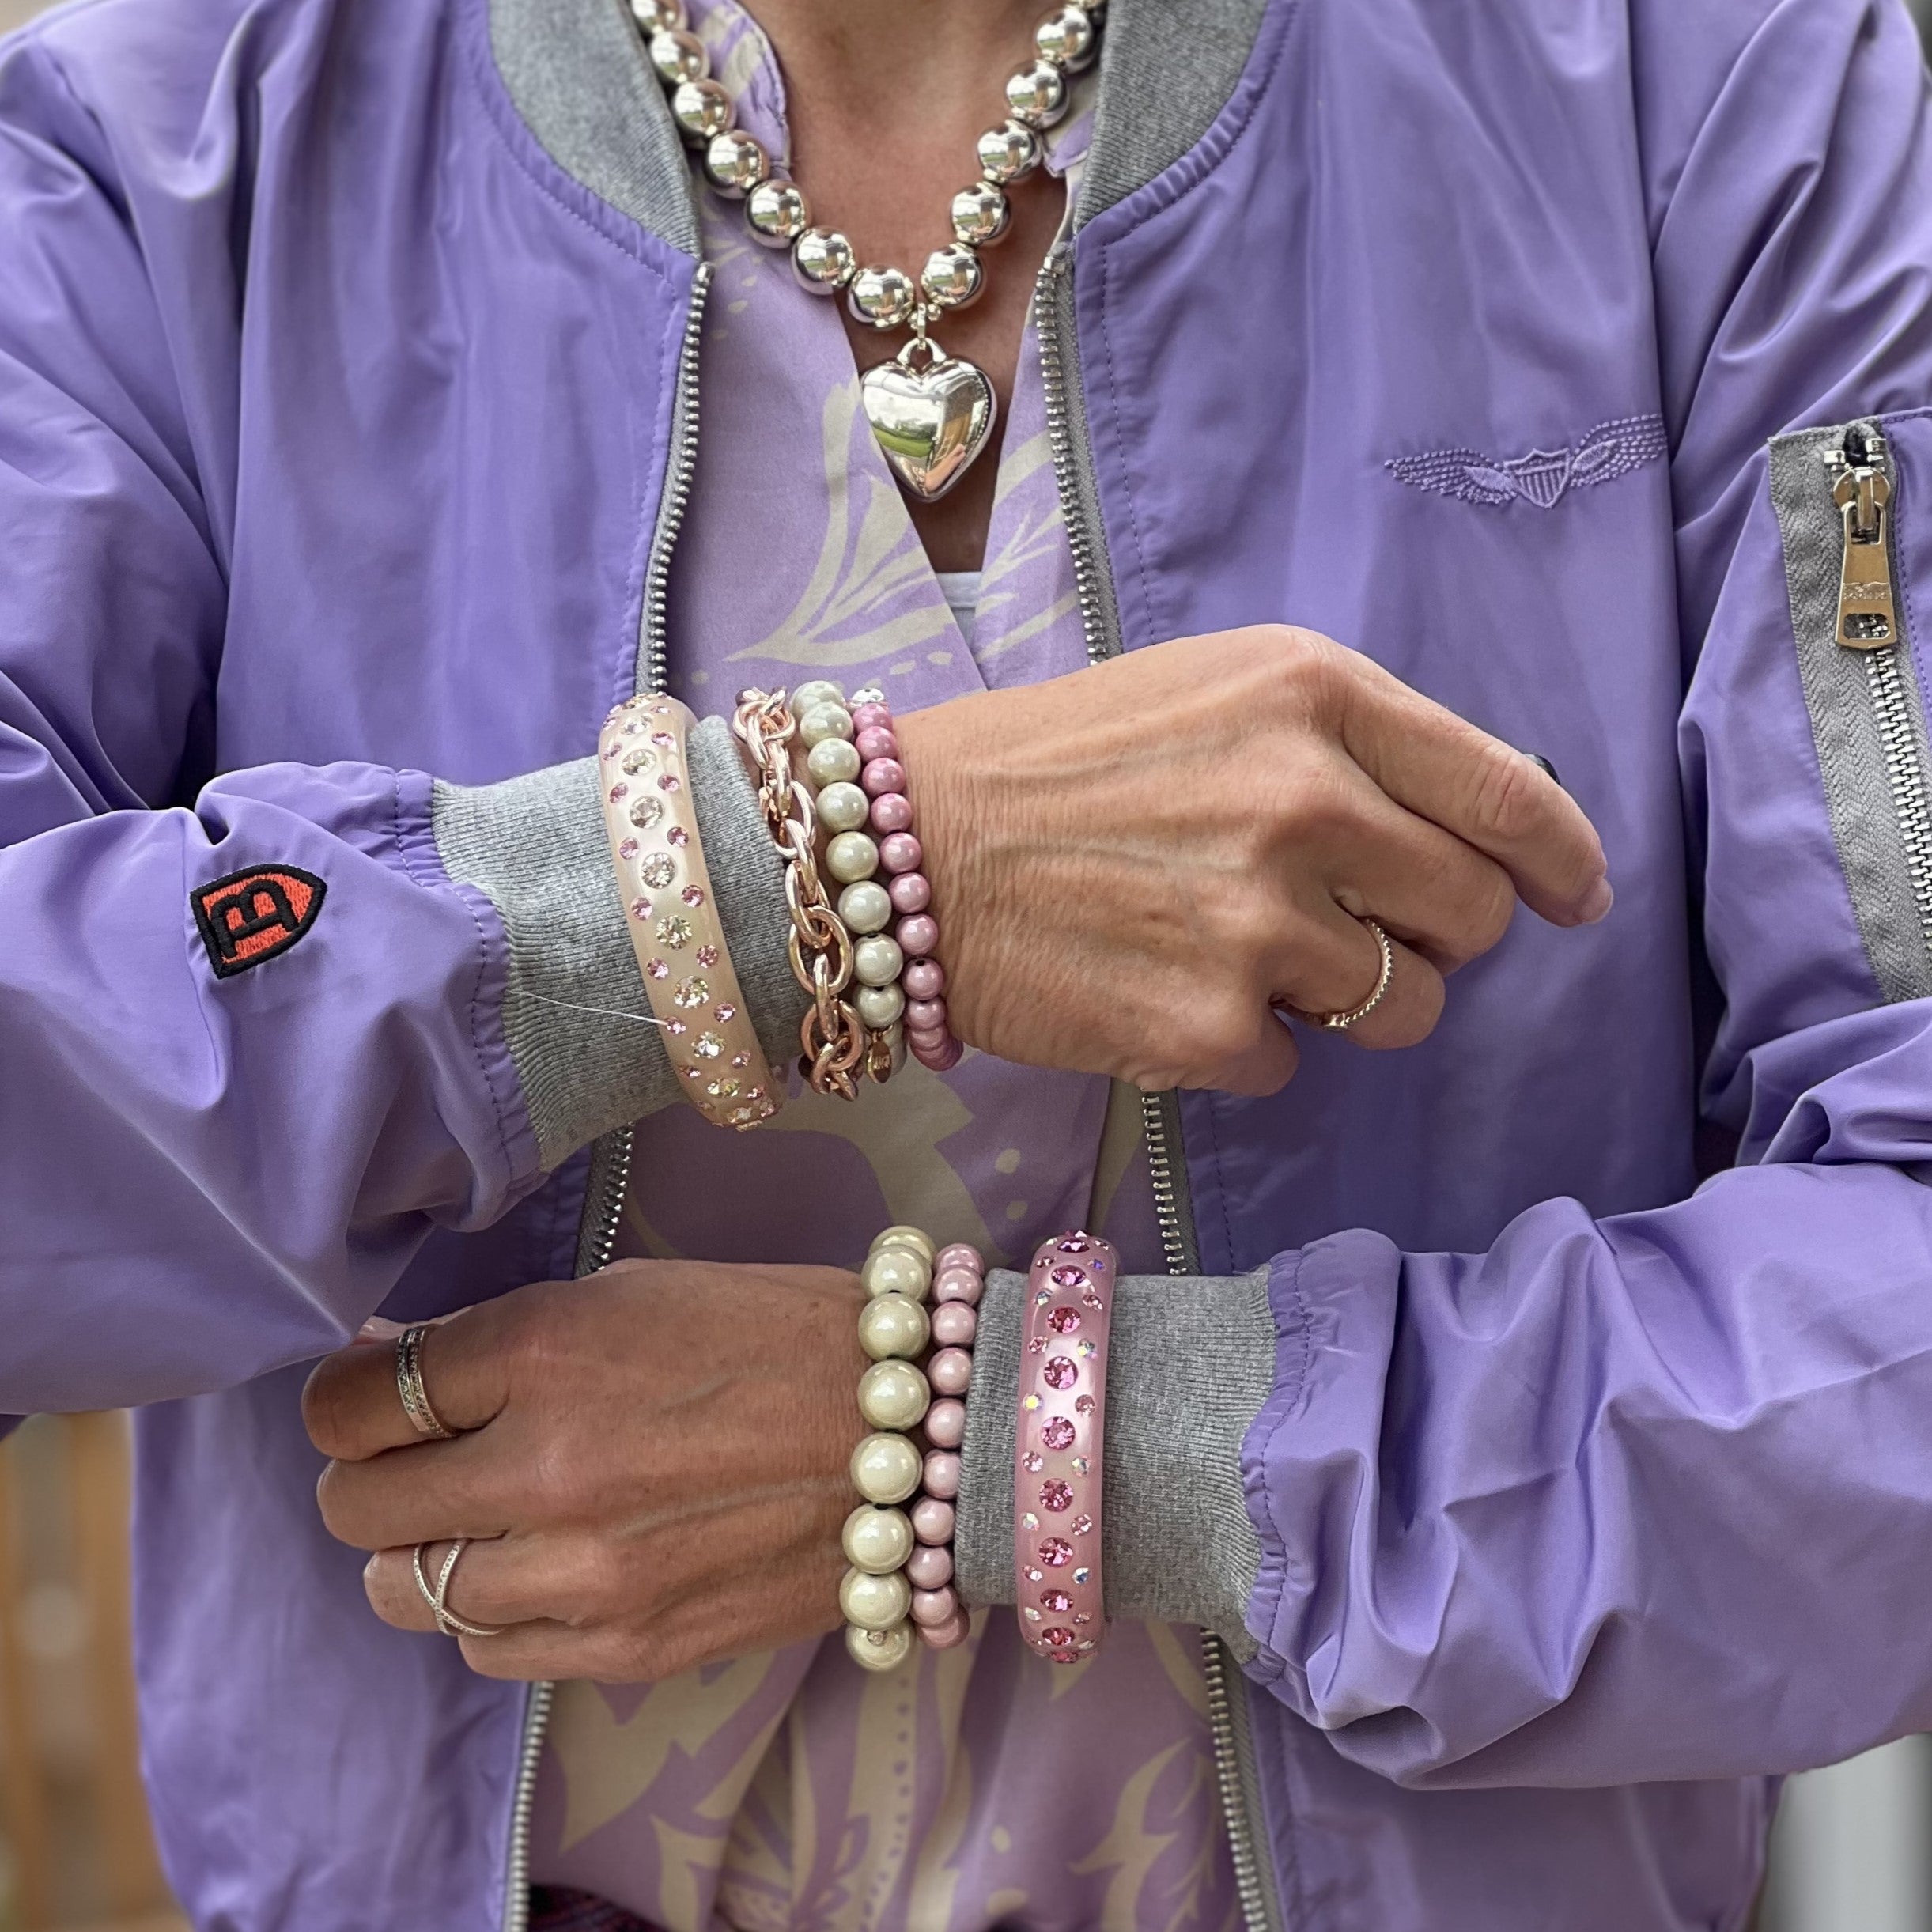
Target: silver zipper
610, 1168
1079, 508
1862, 486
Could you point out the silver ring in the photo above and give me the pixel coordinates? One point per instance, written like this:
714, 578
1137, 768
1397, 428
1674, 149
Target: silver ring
1340, 1022
437, 1597
422, 1418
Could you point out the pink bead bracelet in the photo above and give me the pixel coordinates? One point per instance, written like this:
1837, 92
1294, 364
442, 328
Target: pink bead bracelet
958, 1279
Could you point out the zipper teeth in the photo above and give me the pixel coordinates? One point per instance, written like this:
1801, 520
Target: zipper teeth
1892, 705
604, 1211
1216, 1659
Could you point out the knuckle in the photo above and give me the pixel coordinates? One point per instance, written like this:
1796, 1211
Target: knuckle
322, 1411
1505, 808
1491, 907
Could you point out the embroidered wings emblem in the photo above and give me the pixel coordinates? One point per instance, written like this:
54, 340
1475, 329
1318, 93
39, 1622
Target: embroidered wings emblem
1544, 477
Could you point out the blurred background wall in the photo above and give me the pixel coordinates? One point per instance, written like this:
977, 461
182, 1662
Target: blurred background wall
1852, 1853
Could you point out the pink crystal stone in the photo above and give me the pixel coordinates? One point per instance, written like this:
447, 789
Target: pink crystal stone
950, 1372
678, 836
1069, 1278
641, 909
1085, 1406
1060, 1373
1057, 1600
932, 1521
911, 892
925, 1016
1083, 1526
1056, 1496
627, 849
954, 1324
942, 1474
923, 979
1076, 1243
1063, 1320
1058, 1434
929, 1567
958, 1254
881, 775
871, 718
918, 935
899, 851
892, 811
945, 1636
958, 1284
1056, 1553
1033, 1460
945, 1423
618, 792
1056, 1638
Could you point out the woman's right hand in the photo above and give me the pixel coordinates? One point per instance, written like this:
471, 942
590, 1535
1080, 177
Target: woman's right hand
1135, 864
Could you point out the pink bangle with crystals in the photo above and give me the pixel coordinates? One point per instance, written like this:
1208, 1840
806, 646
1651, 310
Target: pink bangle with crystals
922, 979
1058, 1445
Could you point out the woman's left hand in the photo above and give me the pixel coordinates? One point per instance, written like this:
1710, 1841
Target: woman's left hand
653, 1466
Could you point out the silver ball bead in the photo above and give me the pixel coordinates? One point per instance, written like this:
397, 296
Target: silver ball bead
953, 278
877, 1541
1038, 95
833, 760
884, 297
851, 856
777, 214
823, 720
879, 1650
822, 261
893, 1395
886, 1468
981, 214
1009, 153
866, 907
874, 1602
655, 16
678, 56
1067, 39
702, 110
879, 1006
893, 1327
734, 164
877, 961
843, 807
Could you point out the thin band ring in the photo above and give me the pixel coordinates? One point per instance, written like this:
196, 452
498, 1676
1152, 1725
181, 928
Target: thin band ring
1340, 1022
422, 1418
437, 1597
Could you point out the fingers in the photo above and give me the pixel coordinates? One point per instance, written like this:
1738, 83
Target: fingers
497, 1580
1488, 795
352, 1407
1336, 965
466, 1488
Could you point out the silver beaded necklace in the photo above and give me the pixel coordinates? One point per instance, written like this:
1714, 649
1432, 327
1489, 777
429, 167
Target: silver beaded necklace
932, 413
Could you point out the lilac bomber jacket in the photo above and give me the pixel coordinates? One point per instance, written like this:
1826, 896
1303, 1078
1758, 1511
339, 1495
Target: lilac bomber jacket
343, 400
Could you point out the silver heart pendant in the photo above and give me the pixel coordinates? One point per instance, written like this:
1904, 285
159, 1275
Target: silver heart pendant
930, 422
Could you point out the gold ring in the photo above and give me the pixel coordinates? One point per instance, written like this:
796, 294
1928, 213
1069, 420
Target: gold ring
1340, 1022
437, 1597
422, 1418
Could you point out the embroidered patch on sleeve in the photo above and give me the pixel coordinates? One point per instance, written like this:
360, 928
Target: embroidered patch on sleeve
251, 916
1541, 477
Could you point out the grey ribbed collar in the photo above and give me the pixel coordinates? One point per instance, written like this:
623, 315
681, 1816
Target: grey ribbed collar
577, 72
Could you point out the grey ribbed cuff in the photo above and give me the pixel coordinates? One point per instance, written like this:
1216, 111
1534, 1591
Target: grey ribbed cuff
574, 1012
1191, 1360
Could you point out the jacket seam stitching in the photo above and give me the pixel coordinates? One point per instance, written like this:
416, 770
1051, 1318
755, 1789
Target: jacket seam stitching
1113, 409
1272, 1666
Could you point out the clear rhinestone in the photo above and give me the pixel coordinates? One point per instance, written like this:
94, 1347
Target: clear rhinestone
707, 955
1028, 1520
658, 871
722, 1090
725, 1015
708, 1046
638, 759
674, 932
741, 1062
691, 992
645, 812
1033, 1460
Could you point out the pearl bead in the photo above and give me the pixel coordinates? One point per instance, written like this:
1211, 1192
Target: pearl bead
822, 261
734, 164
925, 979
901, 853
678, 56
654, 16
702, 109
928, 1566
874, 1602
880, 1006
866, 907
886, 1468
894, 1326
777, 213
960, 1254
935, 1606
851, 856
953, 278
959, 1284
946, 1636
981, 213
945, 1423
892, 811
877, 1541
883, 775
874, 741
876, 960
918, 935
926, 1016
942, 1473
1008, 153
832, 760
893, 1395
842, 807
911, 892
932, 1521
823, 721
815, 692
953, 1324
884, 296
1067, 39
896, 1271
900, 1235
1036, 94
950, 1372
880, 1649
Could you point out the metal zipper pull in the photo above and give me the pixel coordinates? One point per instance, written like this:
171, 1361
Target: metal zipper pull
1867, 617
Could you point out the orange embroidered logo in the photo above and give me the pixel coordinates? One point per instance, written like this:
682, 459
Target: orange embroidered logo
250, 917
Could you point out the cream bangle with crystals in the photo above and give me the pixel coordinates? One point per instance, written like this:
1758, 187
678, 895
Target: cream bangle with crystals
672, 914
